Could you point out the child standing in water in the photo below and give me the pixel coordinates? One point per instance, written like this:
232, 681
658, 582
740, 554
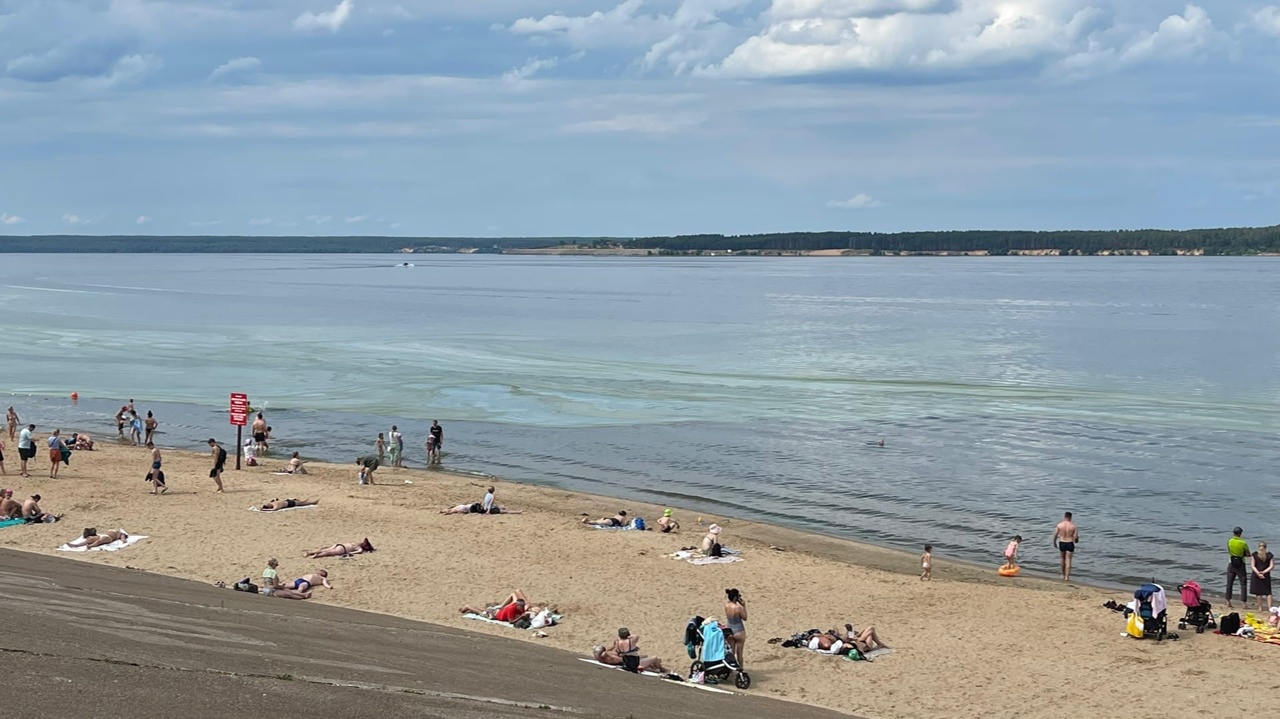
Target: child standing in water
1011, 553
926, 563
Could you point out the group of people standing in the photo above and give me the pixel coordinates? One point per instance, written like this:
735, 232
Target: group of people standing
59, 448
390, 445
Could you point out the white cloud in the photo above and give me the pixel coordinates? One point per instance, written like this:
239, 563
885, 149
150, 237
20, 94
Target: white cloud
143, 220
1268, 20
860, 201
941, 37
1178, 36
333, 20
357, 219
529, 69
74, 219
260, 221
8, 219
319, 219
235, 68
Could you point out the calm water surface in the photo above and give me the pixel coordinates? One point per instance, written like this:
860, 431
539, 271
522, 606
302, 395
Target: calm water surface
1139, 393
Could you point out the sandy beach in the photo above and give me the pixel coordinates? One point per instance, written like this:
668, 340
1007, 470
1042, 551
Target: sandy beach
968, 644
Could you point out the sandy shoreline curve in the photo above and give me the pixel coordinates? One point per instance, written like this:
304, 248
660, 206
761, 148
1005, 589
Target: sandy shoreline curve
968, 644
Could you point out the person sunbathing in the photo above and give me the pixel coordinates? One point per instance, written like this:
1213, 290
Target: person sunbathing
342, 550
477, 508
307, 581
9, 509
459, 509
276, 505
864, 639
625, 653
617, 520
295, 465
509, 611
271, 586
32, 512
92, 539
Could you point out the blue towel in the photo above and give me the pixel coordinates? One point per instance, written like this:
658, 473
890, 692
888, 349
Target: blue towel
712, 642
12, 522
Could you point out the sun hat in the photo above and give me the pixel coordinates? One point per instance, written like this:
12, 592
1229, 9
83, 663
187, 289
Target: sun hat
666, 512
715, 529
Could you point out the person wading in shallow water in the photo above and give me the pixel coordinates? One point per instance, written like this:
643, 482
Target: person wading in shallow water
1065, 538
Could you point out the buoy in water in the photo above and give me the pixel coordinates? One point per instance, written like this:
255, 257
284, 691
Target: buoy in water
75, 395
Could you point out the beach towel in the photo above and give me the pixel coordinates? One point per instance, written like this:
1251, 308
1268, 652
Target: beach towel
113, 547
694, 554
12, 522
290, 509
655, 675
555, 619
714, 560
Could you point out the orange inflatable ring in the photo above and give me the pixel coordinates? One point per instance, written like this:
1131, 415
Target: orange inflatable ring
1009, 571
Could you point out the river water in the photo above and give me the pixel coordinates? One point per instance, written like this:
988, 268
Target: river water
1140, 393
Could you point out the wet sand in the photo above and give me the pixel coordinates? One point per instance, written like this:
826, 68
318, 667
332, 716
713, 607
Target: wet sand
968, 644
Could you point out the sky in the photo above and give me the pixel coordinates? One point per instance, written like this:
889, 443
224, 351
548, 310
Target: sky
635, 117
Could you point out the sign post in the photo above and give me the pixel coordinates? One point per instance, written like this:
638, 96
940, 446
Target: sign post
239, 417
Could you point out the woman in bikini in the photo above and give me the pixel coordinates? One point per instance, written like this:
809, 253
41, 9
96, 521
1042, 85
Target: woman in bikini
625, 653
276, 505
342, 550
617, 520
92, 539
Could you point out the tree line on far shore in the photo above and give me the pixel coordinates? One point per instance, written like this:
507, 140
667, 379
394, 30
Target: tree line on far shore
1225, 241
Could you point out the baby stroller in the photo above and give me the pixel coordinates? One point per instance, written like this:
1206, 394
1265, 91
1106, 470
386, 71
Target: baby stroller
707, 643
1149, 617
1199, 612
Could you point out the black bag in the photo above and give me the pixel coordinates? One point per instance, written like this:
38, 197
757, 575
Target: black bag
1230, 624
244, 585
523, 622
631, 662
716, 551
477, 508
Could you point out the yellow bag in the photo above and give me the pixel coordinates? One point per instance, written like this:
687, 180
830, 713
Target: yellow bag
1135, 626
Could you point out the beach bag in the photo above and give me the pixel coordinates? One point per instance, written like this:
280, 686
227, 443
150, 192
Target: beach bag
637, 523
244, 585
523, 622
716, 550
542, 620
1230, 624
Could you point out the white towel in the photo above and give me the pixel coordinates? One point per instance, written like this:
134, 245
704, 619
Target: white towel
715, 560
113, 547
257, 509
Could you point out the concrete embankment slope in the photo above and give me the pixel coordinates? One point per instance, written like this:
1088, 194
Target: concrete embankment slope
81, 640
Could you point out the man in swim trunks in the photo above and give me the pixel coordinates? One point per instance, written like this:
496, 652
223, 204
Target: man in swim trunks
307, 581
150, 427
26, 447
276, 505
1065, 538
368, 465
617, 520
259, 430
219, 461
509, 611
155, 475
9, 509
32, 512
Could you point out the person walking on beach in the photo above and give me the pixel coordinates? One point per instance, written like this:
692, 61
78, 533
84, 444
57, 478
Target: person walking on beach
1065, 537
219, 461
395, 446
380, 447
926, 563
26, 447
157, 476
12, 419
56, 446
150, 426
1237, 550
259, 430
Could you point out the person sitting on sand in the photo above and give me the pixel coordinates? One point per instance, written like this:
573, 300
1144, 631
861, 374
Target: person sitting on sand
667, 523
82, 442
307, 581
865, 639
711, 542
276, 505
91, 538
617, 520
295, 465
625, 653
509, 611
271, 586
32, 512
342, 550
9, 509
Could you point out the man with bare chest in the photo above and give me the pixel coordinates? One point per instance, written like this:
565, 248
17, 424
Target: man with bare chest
1065, 538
